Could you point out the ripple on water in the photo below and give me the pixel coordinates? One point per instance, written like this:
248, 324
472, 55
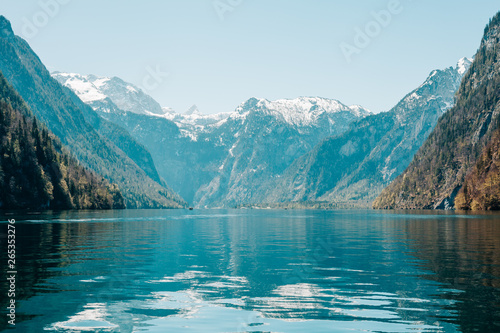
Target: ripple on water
92, 319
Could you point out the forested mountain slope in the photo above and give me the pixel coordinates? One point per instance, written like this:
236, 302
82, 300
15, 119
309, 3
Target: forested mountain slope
35, 172
73, 122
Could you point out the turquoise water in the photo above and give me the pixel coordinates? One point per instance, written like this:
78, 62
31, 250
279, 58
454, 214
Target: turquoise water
255, 271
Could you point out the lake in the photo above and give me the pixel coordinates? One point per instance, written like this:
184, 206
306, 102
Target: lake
254, 271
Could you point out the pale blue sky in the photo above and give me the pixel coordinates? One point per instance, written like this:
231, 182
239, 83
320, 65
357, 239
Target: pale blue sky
262, 48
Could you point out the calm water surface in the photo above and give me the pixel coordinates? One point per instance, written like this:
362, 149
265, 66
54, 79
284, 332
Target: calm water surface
255, 271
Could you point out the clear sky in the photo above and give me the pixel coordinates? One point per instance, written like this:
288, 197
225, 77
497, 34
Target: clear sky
219, 53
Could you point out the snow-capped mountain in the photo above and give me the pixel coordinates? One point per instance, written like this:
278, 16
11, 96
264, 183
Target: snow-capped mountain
262, 138
304, 112
212, 159
299, 112
192, 122
358, 164
307, 148
113, 95
440, 87
464, 65
95, 91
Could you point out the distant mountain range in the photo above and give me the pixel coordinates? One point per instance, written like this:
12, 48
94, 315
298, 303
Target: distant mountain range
305, 149
434, 149
196, 153
458, 166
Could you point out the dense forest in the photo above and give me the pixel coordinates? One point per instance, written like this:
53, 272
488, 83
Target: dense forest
452, 153
35, 170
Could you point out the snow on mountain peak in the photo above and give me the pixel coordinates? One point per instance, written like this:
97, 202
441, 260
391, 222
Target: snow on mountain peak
360, 111
84, 88
302, 111
192, 122
91, 88
436, 76
463, 65
167, 110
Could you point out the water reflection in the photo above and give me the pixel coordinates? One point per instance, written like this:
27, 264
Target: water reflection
463, 252
254, 271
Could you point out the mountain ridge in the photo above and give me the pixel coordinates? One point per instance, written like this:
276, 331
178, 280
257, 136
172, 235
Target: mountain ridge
437, 173
358, 164
304, 120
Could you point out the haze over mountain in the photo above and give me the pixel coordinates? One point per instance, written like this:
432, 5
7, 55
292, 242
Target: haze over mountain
461, 149
224, 159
